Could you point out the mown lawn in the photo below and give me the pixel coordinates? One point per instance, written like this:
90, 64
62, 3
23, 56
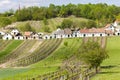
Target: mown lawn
51, 63
111, 66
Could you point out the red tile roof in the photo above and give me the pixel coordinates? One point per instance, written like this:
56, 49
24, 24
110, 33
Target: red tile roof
67, 31
84, 31
109, 32
93, 30
27, 33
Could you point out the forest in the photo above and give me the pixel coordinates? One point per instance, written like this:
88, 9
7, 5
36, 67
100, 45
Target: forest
100, 13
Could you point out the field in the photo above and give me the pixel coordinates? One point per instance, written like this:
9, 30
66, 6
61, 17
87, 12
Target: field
8, 47
111, 66
53, 60
50, 64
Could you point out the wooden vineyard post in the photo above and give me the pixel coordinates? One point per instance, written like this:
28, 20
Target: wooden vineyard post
87, 77
80, 77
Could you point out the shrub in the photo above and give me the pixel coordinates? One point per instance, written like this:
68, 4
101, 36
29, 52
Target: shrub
66, 24
4, 21
26, 27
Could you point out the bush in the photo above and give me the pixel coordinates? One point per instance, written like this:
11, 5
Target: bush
66, 44
4, 21
46, 29
91, 24
79, 24
66, 24
45, 21
26, 27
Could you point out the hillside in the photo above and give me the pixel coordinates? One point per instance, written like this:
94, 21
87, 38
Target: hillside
47, 57
49, 64
52, 25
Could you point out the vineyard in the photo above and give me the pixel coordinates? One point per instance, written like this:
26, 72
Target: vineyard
7, 48
42, 52
75, 70
47, 59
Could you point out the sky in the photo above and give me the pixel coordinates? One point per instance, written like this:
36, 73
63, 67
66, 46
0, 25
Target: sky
6, 5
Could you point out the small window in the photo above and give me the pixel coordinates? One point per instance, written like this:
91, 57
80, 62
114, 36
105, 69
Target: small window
92, 35
100, 34
40, 37
14, 33
7, 38
34, 37
61, 36
84, 35
55, 36
12, 37
18, 37
68, 35
75, 35
118, 33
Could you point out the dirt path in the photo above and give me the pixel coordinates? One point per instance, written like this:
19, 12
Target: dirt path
103, 41
30, 51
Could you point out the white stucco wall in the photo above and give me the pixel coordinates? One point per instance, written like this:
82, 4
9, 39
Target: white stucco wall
14, 32
19, 38
2, 33
7, 37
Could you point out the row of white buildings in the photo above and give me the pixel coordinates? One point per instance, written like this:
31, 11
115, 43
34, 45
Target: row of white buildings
108, 30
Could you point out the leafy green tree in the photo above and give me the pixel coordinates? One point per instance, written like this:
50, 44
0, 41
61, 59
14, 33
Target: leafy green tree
77, 11
45, 21
24, 14
9, 13
51, 11
91, 24
39, 13
97, 12
66, 24
92, 54
63, 11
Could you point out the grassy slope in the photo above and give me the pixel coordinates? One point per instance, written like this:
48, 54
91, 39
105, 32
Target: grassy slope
112, 70
52, 23
4, 44
10, 48
50, 64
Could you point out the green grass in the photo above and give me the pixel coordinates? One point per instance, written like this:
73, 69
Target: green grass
4, 44
11, 72
52, 23
41, 53
12, 46
51, 63
112, 64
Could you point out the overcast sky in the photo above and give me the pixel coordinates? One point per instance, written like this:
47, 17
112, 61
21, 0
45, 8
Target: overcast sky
14, 4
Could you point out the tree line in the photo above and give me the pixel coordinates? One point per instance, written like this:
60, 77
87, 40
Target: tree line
89, 11
101, 13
